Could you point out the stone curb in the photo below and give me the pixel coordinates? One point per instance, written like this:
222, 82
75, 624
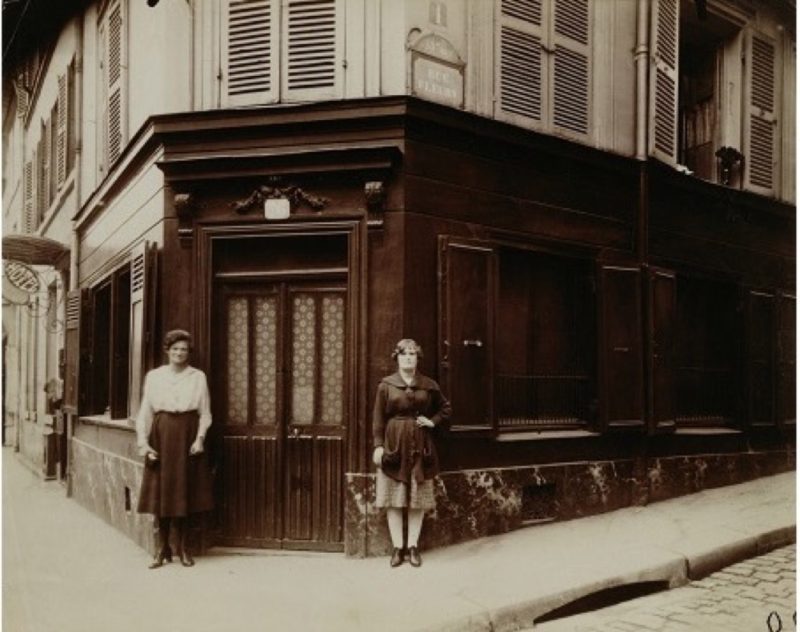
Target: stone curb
677, 572
522, 614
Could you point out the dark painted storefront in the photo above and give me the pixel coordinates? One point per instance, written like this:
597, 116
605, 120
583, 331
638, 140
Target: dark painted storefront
610, 332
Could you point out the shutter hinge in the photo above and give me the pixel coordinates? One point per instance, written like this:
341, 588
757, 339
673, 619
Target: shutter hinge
344, 63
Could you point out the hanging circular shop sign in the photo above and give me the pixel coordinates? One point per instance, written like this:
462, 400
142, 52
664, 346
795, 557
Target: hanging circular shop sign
22, 276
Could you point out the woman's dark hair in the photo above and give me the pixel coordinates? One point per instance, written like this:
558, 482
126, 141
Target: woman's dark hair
177, 335
404, 345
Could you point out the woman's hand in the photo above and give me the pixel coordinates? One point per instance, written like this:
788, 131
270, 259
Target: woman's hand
151, 455
197, 446
424, 422
377, 456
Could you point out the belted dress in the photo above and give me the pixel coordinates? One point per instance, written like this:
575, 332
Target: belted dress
175, 409
410, 462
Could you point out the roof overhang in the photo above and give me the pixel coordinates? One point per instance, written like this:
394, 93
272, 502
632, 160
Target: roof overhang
35, 250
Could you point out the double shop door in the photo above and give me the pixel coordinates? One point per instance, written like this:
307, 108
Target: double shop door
281, 346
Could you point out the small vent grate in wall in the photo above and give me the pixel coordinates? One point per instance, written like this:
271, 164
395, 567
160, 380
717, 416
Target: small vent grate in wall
538, 503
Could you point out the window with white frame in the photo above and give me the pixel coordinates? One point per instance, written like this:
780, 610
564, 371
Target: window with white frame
714, 96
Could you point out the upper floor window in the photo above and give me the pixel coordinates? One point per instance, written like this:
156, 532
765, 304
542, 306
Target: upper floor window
714, 98
53, 158
544, 53
281, 51
113, 85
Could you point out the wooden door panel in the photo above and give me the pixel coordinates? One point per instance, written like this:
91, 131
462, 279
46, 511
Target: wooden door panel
662, 285
466, 298
621, 346
252, 491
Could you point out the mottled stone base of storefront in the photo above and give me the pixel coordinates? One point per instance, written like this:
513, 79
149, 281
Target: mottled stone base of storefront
108, 485
477, 503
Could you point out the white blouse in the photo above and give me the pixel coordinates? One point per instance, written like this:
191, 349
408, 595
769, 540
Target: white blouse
175, 392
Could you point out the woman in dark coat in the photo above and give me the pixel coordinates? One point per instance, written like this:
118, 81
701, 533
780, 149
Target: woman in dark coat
408, 406
171, 427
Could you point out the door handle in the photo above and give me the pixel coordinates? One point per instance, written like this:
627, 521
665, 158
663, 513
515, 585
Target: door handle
472, 343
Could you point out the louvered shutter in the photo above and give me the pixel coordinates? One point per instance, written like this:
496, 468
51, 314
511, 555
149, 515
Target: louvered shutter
42, 175
664, 36
313, 51
141, 321
760, 116
115, 82
620, 324
75, 353
571, 66
61, 131
23, 96
522, 66
29, 203
250, 52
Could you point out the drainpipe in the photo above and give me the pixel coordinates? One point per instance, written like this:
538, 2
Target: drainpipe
642, 64
74, 250
642, 60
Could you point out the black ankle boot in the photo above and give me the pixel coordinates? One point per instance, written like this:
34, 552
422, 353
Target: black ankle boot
397, 557
414, 558
164, 554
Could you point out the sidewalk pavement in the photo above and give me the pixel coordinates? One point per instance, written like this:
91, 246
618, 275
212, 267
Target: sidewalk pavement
64, 569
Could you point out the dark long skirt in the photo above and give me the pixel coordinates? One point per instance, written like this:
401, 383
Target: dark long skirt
178, 484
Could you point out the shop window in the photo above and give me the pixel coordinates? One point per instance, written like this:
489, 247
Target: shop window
545, 325
517, 345
707, 353
281, 51
544, 64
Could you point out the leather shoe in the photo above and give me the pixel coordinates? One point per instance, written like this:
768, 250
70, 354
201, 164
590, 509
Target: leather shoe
397, 557
414, 558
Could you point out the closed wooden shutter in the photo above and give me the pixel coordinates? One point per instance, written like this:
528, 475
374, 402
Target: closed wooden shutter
571, 66
760, 327
665, 24
760, 116
313, 50
662, 303
787, 359
466, 341
42, 174
521, 78
29, 202
75, 341
61, 131
141, 321
250, 52
621, 368
115, 81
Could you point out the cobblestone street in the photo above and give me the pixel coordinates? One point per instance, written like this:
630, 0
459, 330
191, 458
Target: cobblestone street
757, 594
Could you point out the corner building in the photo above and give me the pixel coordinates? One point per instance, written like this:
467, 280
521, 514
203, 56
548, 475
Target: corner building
583, 211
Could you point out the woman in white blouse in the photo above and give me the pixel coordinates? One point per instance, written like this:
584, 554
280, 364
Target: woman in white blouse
170, 429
